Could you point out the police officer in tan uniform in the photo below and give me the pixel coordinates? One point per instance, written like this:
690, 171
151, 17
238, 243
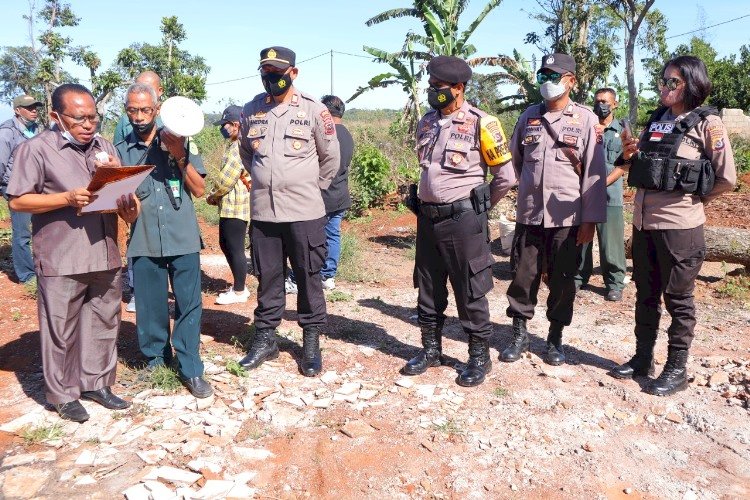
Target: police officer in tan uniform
668, 215
456, 145
561, 197
289, 146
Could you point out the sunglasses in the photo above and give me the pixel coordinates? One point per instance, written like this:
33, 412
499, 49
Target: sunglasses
542, 78
670, 83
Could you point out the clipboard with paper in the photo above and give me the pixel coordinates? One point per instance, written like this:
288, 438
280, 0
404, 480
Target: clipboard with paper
110, 183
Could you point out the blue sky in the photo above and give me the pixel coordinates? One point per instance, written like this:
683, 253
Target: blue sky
229, 34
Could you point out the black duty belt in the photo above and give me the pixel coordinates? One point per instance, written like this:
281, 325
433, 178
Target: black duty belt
440, 211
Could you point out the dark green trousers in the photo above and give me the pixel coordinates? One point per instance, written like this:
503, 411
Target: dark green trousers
152, 276
611, 235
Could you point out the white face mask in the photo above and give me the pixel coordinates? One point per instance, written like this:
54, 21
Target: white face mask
551, 91
67, 135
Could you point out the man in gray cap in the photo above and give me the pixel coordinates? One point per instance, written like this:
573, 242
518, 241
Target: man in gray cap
561, 197
288, 144
13, 132
456, 145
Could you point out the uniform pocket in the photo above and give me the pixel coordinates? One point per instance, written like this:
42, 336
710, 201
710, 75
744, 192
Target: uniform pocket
297, 140
480, 276
456, 156
316, 251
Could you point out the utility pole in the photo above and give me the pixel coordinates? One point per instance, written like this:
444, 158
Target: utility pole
331, 71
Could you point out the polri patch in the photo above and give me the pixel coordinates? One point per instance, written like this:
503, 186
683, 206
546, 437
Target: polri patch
533, 122
328, 125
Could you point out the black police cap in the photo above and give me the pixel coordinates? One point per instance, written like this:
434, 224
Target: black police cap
449, 69
281, 57
559, 62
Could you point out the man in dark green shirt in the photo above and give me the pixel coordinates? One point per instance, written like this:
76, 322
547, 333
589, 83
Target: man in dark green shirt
611, 234
165, 240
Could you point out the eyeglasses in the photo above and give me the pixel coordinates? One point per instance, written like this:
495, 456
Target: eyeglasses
80, 120
542, 78
670, 83
135, 111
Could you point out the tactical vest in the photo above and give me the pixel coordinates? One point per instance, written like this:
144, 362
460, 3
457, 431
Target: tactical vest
656, 165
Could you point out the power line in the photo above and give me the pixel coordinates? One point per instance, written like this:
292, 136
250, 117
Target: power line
707, 27
258, 74
524, 60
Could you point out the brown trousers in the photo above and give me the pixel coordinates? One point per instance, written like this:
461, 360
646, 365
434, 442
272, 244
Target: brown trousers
79, 318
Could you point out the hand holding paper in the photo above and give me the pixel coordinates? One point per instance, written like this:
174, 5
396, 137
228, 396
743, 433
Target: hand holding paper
110, 184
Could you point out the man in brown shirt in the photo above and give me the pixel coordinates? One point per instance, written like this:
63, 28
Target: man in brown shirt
561, 196
76, 257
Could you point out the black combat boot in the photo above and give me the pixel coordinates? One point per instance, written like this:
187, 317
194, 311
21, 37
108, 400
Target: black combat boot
263, 347
674, 376
479, 364
555, 354
431, 353
312, 361
642, 363
519, 344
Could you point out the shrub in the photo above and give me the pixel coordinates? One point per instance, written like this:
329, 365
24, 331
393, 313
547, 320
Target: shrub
741, 149
370, 178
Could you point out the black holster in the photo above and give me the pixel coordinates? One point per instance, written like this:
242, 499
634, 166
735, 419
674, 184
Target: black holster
480, 198
412, 200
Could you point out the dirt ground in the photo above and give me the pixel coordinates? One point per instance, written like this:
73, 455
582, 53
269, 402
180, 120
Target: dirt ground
361, 430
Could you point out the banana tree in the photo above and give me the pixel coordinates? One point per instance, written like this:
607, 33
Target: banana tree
407, 72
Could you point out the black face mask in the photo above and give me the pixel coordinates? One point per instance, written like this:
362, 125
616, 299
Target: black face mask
275, 83
143, 128
602, 110
439, 98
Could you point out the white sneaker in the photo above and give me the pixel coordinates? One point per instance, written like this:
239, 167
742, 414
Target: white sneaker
290, 287
230, 297
329, 284
131, 305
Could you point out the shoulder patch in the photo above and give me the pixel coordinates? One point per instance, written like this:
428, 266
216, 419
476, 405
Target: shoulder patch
328, 125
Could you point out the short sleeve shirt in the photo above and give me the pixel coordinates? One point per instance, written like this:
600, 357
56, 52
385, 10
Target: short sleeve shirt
612, 142
65, 243
167, 226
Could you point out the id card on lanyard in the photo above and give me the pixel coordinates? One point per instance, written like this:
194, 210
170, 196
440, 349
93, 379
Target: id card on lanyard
174, 187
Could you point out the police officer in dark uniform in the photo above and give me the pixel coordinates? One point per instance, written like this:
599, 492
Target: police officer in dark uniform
456, 144
684, 160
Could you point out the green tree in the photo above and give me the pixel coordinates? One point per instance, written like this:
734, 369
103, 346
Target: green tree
440, 21
406, 73
585, 30
441, 36
632, 14
730, 76
181, 73
37, 69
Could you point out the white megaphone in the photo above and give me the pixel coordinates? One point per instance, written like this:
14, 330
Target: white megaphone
181, 116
